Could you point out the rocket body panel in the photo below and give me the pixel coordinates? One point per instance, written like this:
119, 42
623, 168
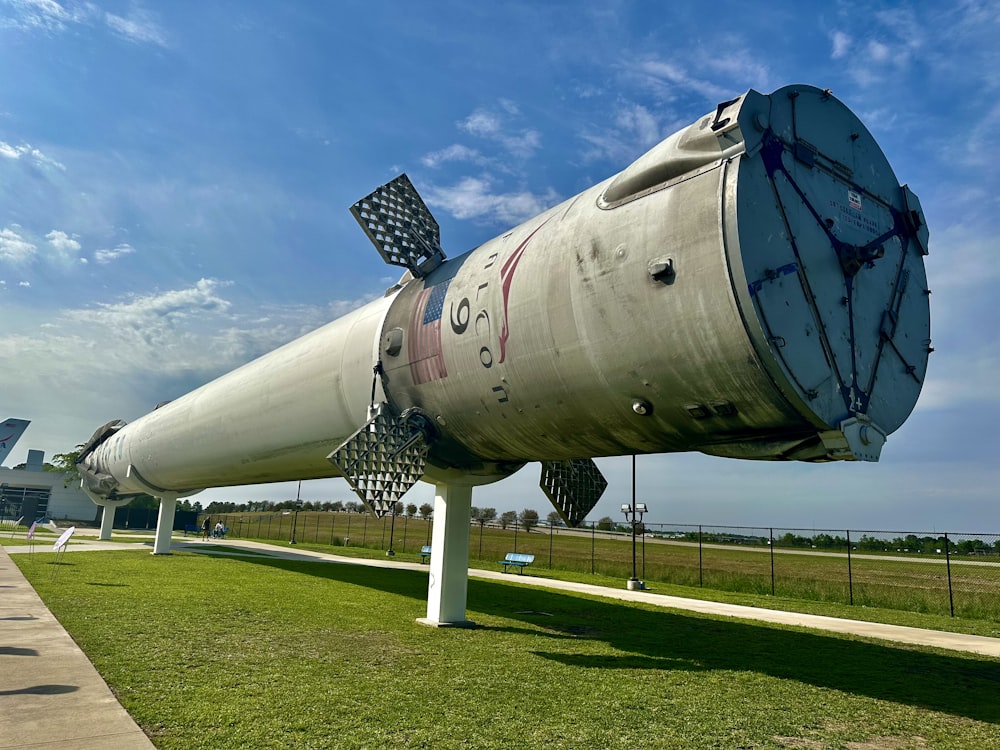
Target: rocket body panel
552, 332
273, 419
752, 287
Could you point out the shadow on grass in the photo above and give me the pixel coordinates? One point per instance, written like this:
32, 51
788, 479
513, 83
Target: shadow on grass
658, 639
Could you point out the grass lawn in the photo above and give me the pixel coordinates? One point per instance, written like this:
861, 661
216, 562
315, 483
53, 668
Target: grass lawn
223, 652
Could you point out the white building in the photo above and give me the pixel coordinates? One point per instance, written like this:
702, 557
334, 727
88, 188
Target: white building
31, 493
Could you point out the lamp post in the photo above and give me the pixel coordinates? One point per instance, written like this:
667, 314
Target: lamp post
633, 515
298, 507
392, 529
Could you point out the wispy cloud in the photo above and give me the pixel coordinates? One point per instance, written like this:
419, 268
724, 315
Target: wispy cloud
474, 198
106, 256
495, 126
454, 153
26, 150
139, 26
668, 79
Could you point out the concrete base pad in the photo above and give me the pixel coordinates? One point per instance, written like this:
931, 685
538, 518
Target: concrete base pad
468, 624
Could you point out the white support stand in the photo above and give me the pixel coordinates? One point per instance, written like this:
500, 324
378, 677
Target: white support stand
449, 569
165, 523
107, 521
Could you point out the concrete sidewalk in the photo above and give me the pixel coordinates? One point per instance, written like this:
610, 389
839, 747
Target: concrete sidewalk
50, 693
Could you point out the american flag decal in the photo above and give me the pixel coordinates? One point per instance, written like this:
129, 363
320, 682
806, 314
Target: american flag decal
426, 359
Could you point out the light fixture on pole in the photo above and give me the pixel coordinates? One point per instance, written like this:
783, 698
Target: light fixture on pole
633, 514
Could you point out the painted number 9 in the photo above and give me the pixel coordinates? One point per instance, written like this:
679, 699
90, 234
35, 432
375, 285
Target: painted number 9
460, 316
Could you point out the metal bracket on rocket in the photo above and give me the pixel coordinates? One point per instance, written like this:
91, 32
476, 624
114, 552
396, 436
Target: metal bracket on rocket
401, 227
383, 459
573, 487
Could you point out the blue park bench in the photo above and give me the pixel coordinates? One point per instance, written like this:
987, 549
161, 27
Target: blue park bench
516, 560
192, 528
425, 552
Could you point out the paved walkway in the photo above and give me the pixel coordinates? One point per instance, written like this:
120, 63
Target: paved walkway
50, 693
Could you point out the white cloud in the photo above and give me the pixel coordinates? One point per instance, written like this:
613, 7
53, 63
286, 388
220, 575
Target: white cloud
139, 26
107, 256
841, 44
14, 248
665, 79
455, 152
25, 284
493, 127
472, 198
27, 150
878, 52
62, 241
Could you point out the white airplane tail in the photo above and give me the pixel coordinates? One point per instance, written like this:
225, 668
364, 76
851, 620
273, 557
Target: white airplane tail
10, 432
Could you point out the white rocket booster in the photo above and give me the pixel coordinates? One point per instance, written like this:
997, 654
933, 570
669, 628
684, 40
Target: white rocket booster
752, 287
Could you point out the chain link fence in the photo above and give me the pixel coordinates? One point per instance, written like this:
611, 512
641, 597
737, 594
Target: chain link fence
955, 574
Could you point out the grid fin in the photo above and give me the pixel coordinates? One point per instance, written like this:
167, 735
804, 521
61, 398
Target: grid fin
382, 460
573, 487
401, 227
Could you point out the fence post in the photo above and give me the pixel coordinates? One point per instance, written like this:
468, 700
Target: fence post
947, 558
701, 574
333, 523
850, 574
593, 545
771, 532
644, 551
550, 544
364, 530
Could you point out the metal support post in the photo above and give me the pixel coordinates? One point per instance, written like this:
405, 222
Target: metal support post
165, 523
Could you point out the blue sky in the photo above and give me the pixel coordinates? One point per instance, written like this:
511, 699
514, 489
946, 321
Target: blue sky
175, 177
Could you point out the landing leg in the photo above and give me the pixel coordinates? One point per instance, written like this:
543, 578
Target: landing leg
449, 569
165, 524
107, 521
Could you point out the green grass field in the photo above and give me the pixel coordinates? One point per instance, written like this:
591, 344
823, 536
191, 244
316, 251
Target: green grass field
221, 652
917, 585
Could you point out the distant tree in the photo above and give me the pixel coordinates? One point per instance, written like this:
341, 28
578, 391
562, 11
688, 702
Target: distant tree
397, 509
507, 518
607, 523
553, 518
197, 507
351, 507
425, 511
144, 501
528, 519
411, 510
484, 515
336, 506
66, 462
